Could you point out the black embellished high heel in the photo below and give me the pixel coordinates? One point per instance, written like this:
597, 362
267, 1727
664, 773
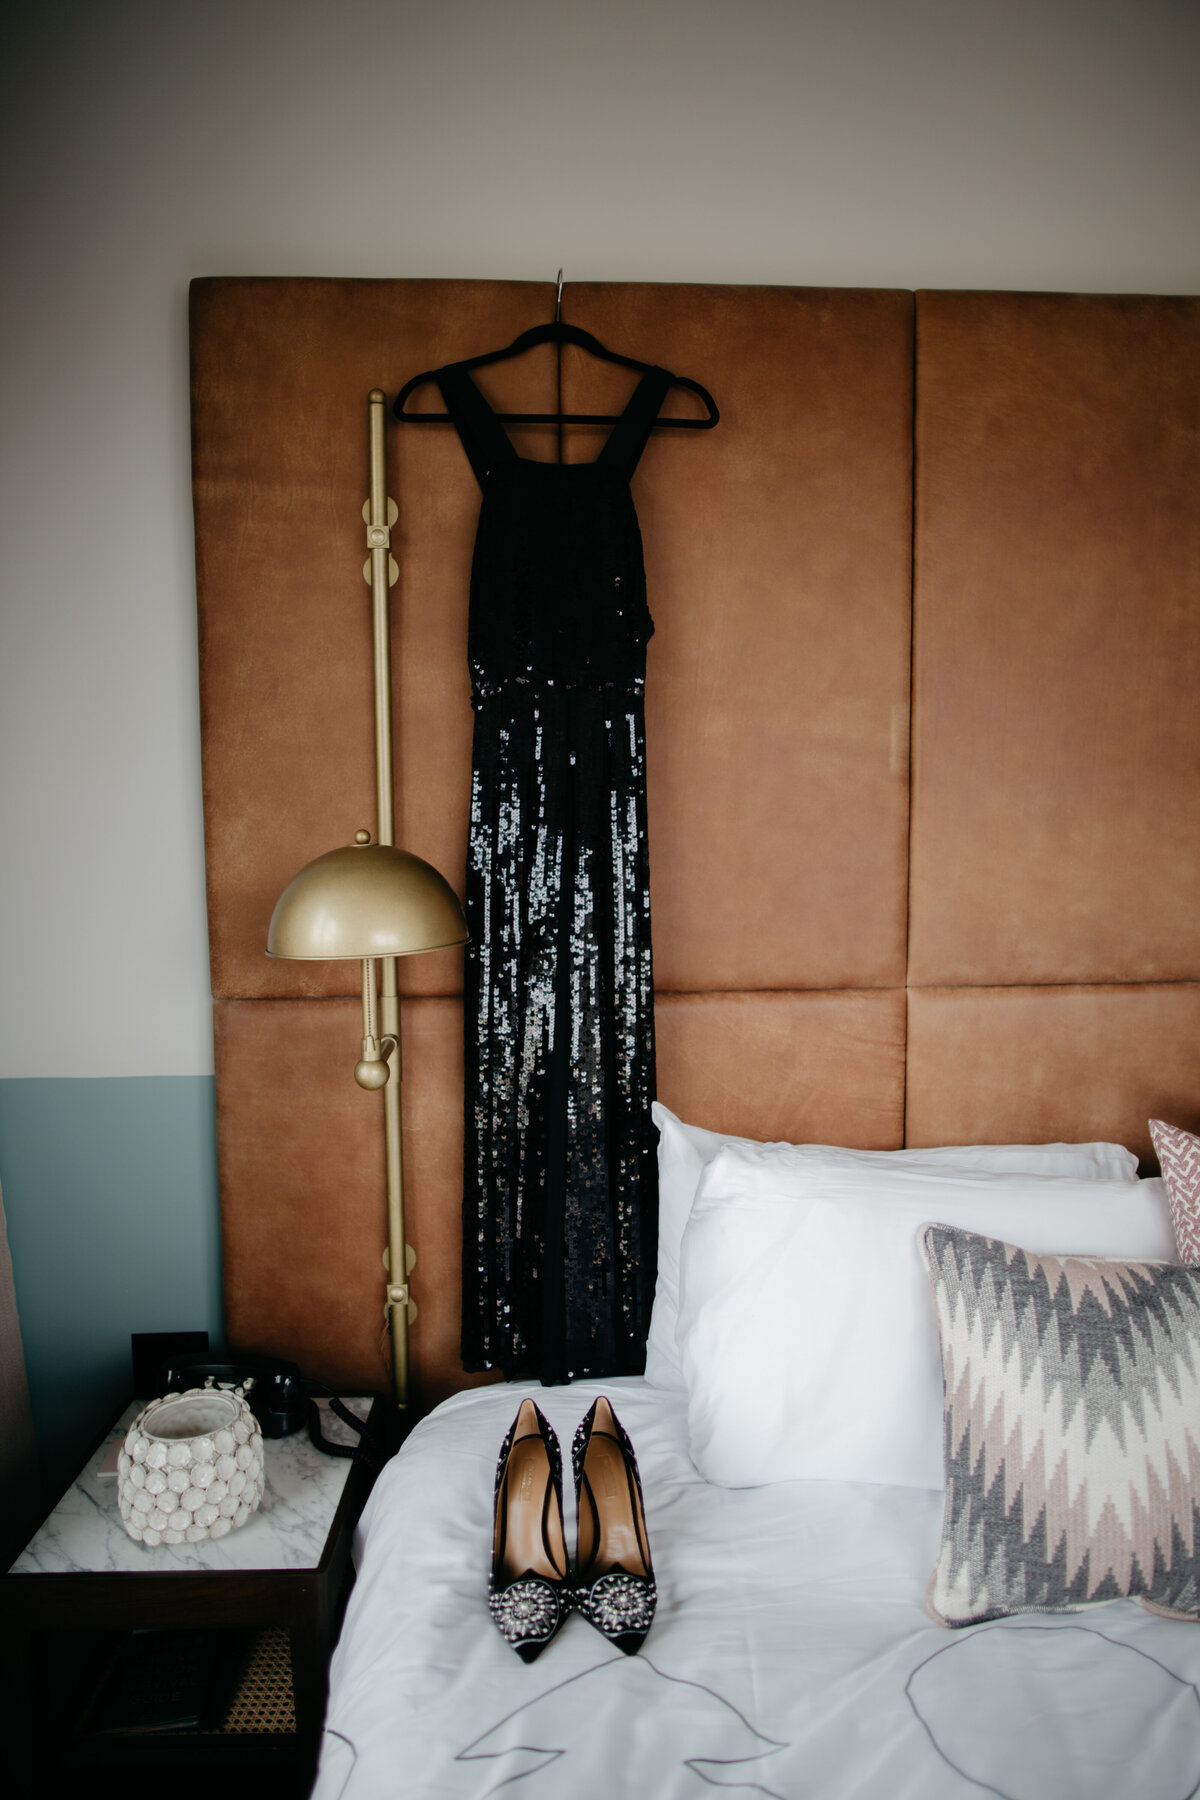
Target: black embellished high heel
528, 1591
614, 1579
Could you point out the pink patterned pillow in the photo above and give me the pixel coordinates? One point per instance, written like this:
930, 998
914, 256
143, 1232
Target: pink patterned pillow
1179, 1158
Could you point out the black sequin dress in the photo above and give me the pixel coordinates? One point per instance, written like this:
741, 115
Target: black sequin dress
560, 1209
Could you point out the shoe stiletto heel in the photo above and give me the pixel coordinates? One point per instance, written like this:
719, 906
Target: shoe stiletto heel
614, 1580
528, 1585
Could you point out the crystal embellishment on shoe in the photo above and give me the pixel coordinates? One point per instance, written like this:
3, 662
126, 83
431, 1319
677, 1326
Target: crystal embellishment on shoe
528, 1587
618, 1604
614, 1583
528, 1612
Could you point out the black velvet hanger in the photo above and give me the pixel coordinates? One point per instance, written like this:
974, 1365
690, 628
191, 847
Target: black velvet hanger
556, 331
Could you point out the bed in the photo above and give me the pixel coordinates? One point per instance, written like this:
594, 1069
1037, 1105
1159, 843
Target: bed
792, 1654
924, 776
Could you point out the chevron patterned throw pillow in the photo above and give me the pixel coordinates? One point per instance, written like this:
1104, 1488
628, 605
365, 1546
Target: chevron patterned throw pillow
1178, 1155
1072, 1430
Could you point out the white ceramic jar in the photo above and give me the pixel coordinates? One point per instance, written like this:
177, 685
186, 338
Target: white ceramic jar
191, 1467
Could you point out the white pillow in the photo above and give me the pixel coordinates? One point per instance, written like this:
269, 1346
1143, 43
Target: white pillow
685, 1150
806, 1333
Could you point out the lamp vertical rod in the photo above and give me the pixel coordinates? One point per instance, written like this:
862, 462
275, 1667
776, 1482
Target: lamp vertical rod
379, 538
379, 542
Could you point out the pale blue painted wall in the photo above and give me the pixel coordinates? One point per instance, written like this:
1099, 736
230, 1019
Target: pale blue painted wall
110, 1188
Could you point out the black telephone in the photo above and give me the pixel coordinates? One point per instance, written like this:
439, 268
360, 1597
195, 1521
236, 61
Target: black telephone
280, 1397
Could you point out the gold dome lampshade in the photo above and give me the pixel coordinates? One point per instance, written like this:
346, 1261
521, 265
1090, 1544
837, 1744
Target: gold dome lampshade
365, 900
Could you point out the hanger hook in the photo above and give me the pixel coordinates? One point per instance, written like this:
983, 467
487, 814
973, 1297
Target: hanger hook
558, 299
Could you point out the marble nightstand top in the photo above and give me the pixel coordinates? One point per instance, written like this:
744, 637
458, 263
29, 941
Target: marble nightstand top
84, 1533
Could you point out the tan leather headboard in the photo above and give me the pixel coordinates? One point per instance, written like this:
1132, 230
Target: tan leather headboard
1006, 947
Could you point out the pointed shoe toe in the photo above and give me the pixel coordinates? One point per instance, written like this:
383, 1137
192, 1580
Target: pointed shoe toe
621, 1607
527, 1613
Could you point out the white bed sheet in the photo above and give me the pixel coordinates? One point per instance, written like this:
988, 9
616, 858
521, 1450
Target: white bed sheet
791, 1655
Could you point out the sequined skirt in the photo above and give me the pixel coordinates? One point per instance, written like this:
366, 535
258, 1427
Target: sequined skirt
560, 1180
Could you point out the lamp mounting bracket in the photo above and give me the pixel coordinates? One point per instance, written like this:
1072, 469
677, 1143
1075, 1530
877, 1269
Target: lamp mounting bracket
379, 537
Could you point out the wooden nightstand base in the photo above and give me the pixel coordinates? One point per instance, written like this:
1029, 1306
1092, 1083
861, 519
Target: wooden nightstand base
62, 1628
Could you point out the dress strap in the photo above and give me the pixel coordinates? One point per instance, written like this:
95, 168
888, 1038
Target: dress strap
483, 437
628, 437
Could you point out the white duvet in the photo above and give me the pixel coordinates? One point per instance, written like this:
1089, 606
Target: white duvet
791, 1654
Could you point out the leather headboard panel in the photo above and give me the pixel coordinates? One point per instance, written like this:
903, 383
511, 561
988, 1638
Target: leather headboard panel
300, 1148
777, 564
1056, 660
1030, 971
1035, 1064
829, 1066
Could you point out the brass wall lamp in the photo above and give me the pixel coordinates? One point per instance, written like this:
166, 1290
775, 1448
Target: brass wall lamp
374, 903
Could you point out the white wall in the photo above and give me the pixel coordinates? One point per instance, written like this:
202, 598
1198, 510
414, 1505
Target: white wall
953, 143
